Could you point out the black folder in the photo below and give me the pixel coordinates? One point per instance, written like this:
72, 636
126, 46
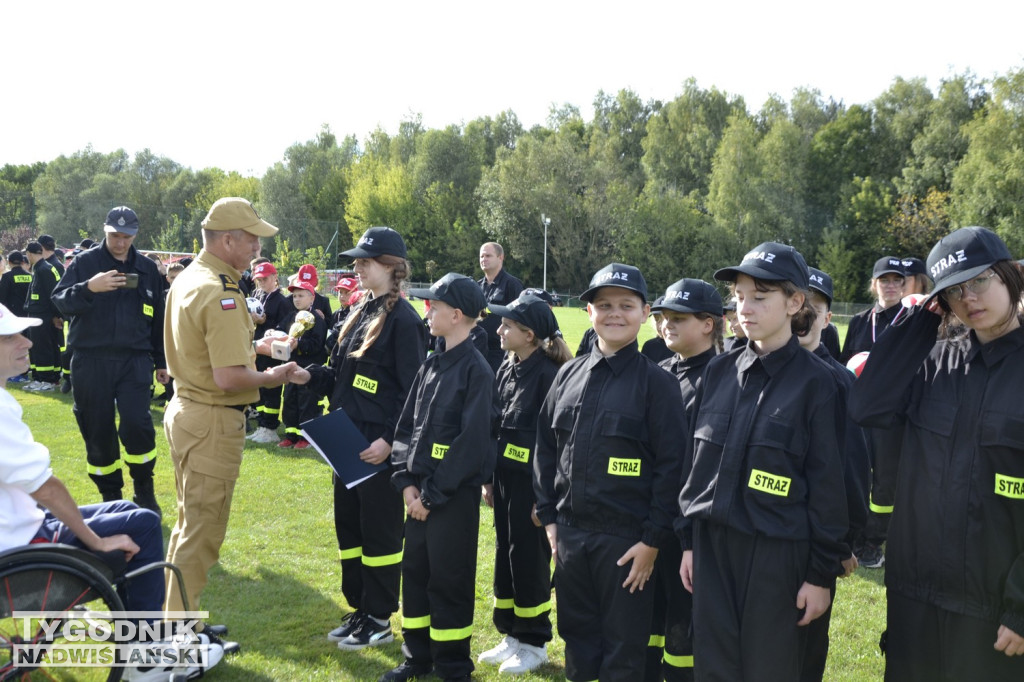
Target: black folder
339, 442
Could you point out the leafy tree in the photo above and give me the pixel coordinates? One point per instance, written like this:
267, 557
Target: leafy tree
866, 206
901, 113
17, 205
62, 194
917, 224
618, 131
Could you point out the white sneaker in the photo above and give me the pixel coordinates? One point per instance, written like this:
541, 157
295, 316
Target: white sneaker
264, 435
43, 386
505, 650
31, 386
163, 673
526, 659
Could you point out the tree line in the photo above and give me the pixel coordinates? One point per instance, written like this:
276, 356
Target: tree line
677, 188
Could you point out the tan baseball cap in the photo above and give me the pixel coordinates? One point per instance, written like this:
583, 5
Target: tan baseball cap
236, 213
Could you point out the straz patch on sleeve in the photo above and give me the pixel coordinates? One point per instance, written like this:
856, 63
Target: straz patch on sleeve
623, 467
517, 454
439, 451
769, 483
1011, 487
365, 384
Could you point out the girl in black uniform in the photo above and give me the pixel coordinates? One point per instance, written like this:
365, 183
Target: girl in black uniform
764, 501
379, 350
692, 325
887, 282
955, 565
522, 558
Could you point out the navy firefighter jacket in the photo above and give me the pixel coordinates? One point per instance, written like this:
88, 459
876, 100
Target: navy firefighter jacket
444, 439
764, 454
522, 387
609, 447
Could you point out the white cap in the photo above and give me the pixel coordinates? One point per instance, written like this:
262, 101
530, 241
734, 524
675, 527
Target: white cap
12, 324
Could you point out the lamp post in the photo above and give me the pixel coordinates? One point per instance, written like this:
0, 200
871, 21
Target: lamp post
547, 222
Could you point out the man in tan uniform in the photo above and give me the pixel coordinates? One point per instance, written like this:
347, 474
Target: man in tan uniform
208, 340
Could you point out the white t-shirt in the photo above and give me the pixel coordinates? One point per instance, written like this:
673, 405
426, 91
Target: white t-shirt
24, 467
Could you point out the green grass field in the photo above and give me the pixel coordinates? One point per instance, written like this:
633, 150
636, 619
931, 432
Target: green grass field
278, 582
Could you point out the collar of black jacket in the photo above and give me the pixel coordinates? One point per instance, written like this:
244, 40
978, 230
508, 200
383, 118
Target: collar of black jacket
772, 362
617, 362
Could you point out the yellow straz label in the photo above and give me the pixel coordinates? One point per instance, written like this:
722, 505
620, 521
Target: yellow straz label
22, 279
623, 467
147, 310
439, 451
769, 483
518, 454
1011, 487
365, 384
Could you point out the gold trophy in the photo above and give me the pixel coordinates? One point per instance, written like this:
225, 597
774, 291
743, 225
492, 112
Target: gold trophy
282, 350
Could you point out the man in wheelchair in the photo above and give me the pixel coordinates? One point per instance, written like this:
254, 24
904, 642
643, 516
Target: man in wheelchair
36, 507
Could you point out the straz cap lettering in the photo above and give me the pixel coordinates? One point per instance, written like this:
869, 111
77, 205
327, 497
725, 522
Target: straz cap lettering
946, 261
518, 454
623, 467
677, 295
816, 278
365, 384
769, 483
604, 277
1008, 486
766, 256
438, 451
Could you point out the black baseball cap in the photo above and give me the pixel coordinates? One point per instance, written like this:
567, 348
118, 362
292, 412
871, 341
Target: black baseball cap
530, 311
691, 296
914, 266
820, 282
34, 247
123, 220
888, 265
539, 293
15, 257
378, 241
456, 290
769, 261
616, 275
47, 242
963, 255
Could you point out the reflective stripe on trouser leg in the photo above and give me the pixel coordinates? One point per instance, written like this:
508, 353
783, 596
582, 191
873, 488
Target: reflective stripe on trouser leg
439, 580
670, 651
522, 568
206, 467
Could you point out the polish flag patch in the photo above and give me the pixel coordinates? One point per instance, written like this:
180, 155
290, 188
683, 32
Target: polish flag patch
228, 304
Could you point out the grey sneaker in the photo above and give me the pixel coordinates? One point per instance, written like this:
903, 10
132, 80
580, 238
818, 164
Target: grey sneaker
349, 623
870, 556
368, 633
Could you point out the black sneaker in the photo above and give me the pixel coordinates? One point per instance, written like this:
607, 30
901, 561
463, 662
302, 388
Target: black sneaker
870, 555
229, 647
349, 623
368, 633
406, 671
65, 386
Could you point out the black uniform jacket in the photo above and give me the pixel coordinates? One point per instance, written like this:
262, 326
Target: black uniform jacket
123, 319
522, 387
445, 438
373, 388
503, 290
39, 301
764, 455
14, 286
856, 455
865, 329
956, 539
609, 447
688, 371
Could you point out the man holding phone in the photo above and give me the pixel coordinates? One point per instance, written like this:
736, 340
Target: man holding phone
114, 297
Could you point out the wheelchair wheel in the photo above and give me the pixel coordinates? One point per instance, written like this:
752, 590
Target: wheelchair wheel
53, 581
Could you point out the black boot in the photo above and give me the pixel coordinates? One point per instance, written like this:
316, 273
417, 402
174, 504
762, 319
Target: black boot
111, 495
144, 495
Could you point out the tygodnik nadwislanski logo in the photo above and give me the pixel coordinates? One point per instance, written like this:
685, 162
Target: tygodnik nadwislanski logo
84, 639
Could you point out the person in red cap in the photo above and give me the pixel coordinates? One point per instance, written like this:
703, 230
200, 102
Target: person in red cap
321, 304
276, 307
299, 403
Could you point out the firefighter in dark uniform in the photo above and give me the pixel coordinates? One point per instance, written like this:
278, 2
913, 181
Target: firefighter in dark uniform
373, 364
499, 288
114, 297
208, 338
606, 474
954, 573
14, 283
522, 557
887, 281
443, 452
764, 500
692, 326
47, 337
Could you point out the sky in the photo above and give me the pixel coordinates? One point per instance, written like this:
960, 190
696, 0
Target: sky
234, 84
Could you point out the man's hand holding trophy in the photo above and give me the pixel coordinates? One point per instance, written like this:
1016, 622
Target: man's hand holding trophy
279, 345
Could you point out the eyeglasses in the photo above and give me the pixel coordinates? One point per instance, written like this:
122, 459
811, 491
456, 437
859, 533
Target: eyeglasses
978, 285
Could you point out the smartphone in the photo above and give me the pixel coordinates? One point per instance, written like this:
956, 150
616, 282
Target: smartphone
131, 280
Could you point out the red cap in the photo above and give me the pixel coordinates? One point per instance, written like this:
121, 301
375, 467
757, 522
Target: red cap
307, 273
347, 284
303, 285
264, 270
